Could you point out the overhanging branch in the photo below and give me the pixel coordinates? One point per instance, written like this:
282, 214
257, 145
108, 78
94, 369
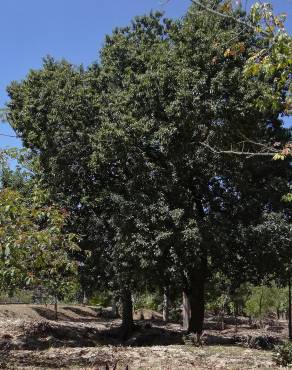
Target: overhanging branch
228, 16
246, 154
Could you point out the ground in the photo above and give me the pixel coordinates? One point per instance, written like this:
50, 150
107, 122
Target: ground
158, 357
87, 338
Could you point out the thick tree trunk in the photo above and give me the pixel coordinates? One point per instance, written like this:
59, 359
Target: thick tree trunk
197, 304
165, 305
186, 311
127, 313
196, 282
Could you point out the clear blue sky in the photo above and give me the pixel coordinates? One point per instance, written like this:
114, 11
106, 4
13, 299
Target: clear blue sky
70, 29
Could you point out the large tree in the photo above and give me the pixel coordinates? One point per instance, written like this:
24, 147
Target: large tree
176, 89
122, 146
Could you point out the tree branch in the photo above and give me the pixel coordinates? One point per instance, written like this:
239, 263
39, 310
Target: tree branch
228, 16
240, 153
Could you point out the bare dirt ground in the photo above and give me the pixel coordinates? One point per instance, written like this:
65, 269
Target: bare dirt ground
87, 338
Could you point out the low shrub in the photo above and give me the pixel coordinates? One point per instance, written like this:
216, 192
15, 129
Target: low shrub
261, 342
175, 314
283, 355
100, 299
147, 301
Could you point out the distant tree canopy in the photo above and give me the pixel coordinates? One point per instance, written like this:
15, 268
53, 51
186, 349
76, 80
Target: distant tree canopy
120, 146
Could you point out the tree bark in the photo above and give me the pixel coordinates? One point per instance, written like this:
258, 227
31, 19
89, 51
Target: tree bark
84, 300
260, 306
186, 311
56, 308
289, 310
115, 311
196, 281
197, 304
127, 314
194, 305
165, 305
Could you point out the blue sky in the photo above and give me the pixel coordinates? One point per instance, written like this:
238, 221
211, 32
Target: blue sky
70, 29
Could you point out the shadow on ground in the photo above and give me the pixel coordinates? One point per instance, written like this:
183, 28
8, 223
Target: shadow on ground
45, 334
79, 311
82, 316
49, 314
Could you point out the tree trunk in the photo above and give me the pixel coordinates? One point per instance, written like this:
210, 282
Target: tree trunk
289, 310
236, 309
165, 305
56, 308
260, 306
197, 304
186, 311
85, 300
222, 314
127, 314
194, 305
115, 311
196, 283
278, 313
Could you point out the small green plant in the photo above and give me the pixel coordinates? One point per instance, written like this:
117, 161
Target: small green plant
175, 314
17, 296
283, 355
100, 299
147, 301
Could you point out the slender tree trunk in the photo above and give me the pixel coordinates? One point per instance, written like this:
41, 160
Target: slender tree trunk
289, 310
84, 300
235, 313
127, 313
165, 305
115, 308
222, 313
260, 306
186, 311
236, 309
56, 308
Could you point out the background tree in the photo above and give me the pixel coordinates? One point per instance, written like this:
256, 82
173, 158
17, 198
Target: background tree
35, 249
